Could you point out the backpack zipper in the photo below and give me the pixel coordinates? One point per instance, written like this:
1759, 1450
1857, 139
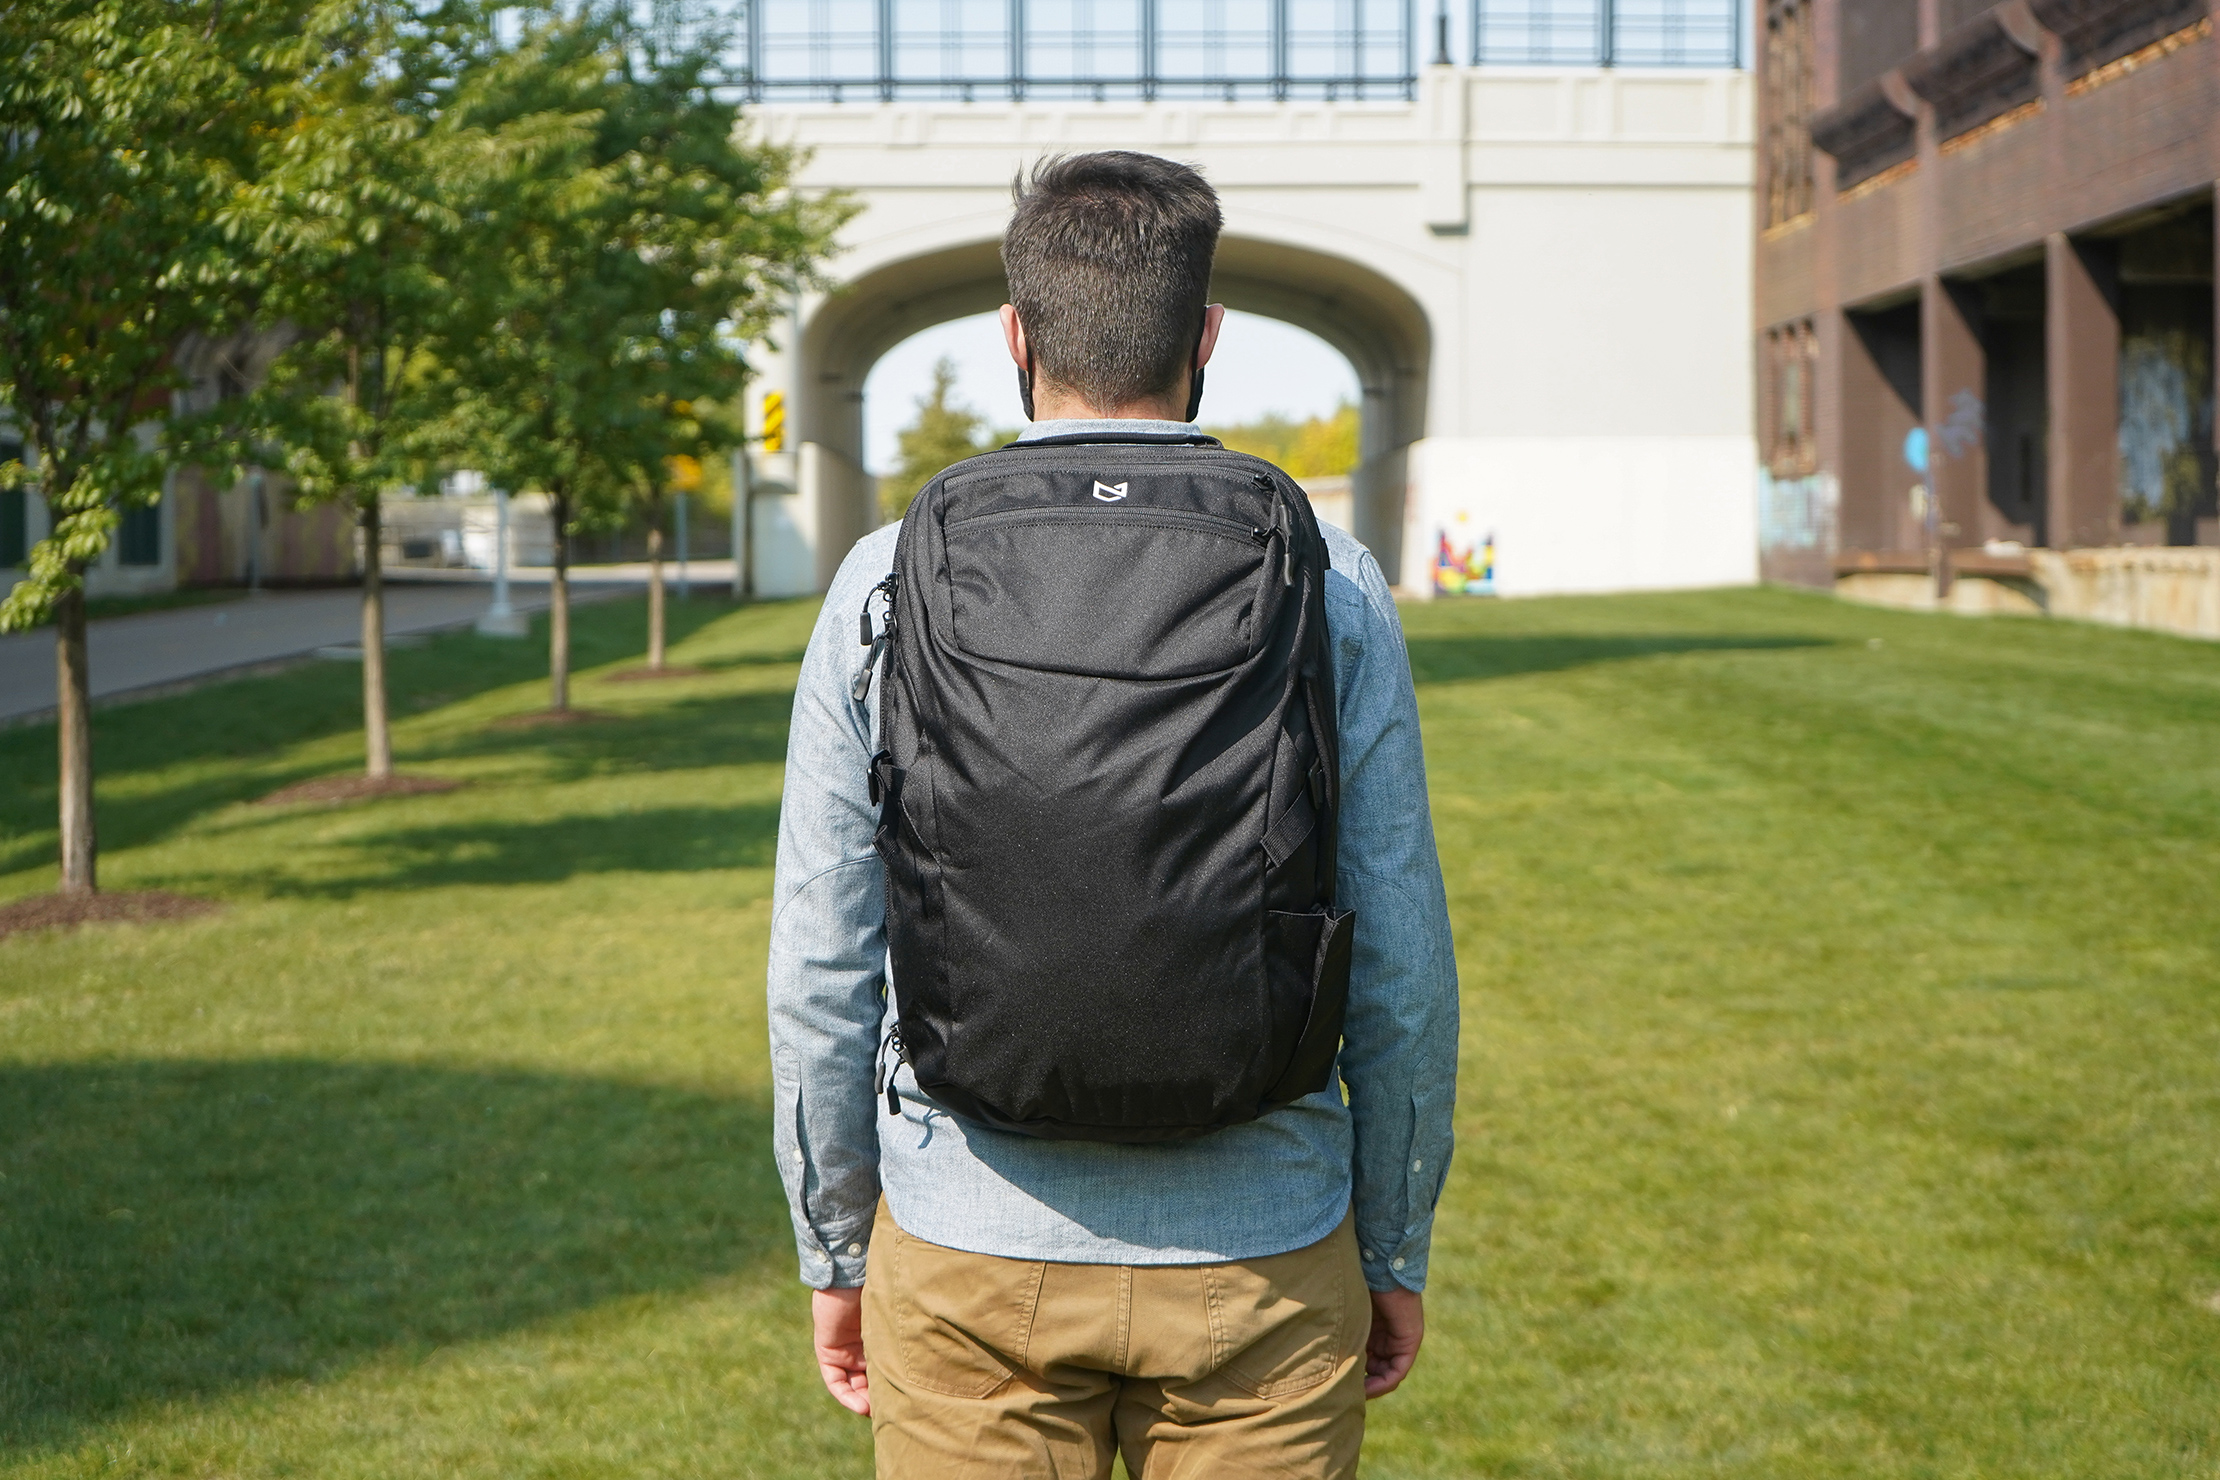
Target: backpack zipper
883, 1081
860, 690
1162, 518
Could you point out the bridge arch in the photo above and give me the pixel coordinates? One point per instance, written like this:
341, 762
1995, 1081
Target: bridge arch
1376, 324
1541, 279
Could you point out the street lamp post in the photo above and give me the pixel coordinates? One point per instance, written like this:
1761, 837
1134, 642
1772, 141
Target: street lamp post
500, 619
685, 582
743, 526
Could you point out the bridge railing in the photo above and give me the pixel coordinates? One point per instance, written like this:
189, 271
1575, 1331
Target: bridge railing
1607, 33
1225, 50
1222, 50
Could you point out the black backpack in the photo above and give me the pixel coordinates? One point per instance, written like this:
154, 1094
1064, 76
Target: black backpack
1107, 787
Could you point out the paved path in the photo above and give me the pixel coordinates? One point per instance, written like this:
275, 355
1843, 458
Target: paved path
154, 650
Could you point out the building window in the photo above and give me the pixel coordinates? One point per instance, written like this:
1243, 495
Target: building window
139, 536
15, 529
15, 544
1787, 104
1792, 365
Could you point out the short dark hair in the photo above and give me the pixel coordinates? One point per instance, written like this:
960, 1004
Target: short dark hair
1108, 257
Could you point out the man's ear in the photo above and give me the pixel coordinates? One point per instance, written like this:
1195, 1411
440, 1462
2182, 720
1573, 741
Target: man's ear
1013, 335
1214, 318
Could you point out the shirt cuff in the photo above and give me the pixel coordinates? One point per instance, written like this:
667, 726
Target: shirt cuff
836, 1265
1395, 1261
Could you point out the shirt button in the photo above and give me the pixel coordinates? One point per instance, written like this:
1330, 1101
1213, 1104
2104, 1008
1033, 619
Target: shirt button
799, 1158
1395, 1263
854, 1249
1417, 1162
1368, 1254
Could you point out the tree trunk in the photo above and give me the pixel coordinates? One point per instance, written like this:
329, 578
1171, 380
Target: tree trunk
377, 731
558, 611
655, 597
73, 712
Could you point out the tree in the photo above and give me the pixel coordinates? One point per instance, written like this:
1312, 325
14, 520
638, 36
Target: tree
636, 251
125, 125
666, 456
357, 216
942, 432
1321, 447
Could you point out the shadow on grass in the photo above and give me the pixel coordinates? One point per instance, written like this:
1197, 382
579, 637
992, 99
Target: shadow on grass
478, 851
251, 718
675, 734
1448, 659
176, 1229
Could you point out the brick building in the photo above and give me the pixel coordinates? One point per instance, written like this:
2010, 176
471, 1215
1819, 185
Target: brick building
1984, 301
205, 530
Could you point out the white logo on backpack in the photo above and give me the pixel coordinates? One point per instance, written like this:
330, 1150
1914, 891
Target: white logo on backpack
1109, 493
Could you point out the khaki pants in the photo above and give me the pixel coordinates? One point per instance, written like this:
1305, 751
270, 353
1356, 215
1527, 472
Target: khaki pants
1009, 1368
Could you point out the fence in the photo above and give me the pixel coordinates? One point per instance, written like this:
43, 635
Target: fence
1223, 50
1607, 33
1217, 50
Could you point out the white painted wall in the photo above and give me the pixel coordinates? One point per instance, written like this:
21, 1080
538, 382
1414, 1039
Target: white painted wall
1573, 247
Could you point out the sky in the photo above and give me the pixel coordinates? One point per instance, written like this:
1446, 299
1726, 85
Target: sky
1261, 366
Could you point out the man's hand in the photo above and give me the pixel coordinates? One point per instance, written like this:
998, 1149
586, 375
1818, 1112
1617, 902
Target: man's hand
1398, 1326
838, 1317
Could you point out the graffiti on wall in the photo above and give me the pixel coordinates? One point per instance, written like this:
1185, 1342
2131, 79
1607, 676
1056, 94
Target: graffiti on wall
1464, 566
1796, 515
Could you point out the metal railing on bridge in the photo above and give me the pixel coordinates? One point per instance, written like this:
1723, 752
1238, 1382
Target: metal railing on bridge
1607, 33
1223, 50
1214, 50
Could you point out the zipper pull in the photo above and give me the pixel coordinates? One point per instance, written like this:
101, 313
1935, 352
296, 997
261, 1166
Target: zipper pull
885, 1080
860, 690
884, 588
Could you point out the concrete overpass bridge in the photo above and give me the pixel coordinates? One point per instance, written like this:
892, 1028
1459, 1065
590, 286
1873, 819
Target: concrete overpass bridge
1541, 276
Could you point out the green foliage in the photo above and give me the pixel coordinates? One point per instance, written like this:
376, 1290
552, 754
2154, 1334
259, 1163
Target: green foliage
1320, 447
360, 218
633, 246
1837, 1091
943, 432
129, 126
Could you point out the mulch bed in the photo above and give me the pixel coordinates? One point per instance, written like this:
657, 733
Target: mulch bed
540, 718
668, 670
355, 789
68, 911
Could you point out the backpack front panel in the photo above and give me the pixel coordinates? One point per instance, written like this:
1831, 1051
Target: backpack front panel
1093, 710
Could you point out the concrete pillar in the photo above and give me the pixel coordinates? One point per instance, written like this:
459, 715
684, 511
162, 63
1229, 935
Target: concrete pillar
2083, 348
1953, 384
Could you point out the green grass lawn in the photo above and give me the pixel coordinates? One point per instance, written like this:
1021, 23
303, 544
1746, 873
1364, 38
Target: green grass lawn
1841, 1078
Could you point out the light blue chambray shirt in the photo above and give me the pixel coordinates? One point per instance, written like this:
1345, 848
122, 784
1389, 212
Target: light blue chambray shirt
1277, 1183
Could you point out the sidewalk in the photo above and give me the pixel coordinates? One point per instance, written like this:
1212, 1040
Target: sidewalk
156, 650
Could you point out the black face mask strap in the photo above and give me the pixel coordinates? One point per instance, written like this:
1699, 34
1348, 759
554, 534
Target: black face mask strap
1194, 386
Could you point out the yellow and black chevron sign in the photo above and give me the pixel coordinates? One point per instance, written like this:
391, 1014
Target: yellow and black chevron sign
774, 421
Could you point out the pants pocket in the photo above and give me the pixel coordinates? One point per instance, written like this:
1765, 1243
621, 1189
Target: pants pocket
1285, 1324
962, 1321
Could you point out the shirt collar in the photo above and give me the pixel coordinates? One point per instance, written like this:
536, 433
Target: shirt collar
1079, 425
